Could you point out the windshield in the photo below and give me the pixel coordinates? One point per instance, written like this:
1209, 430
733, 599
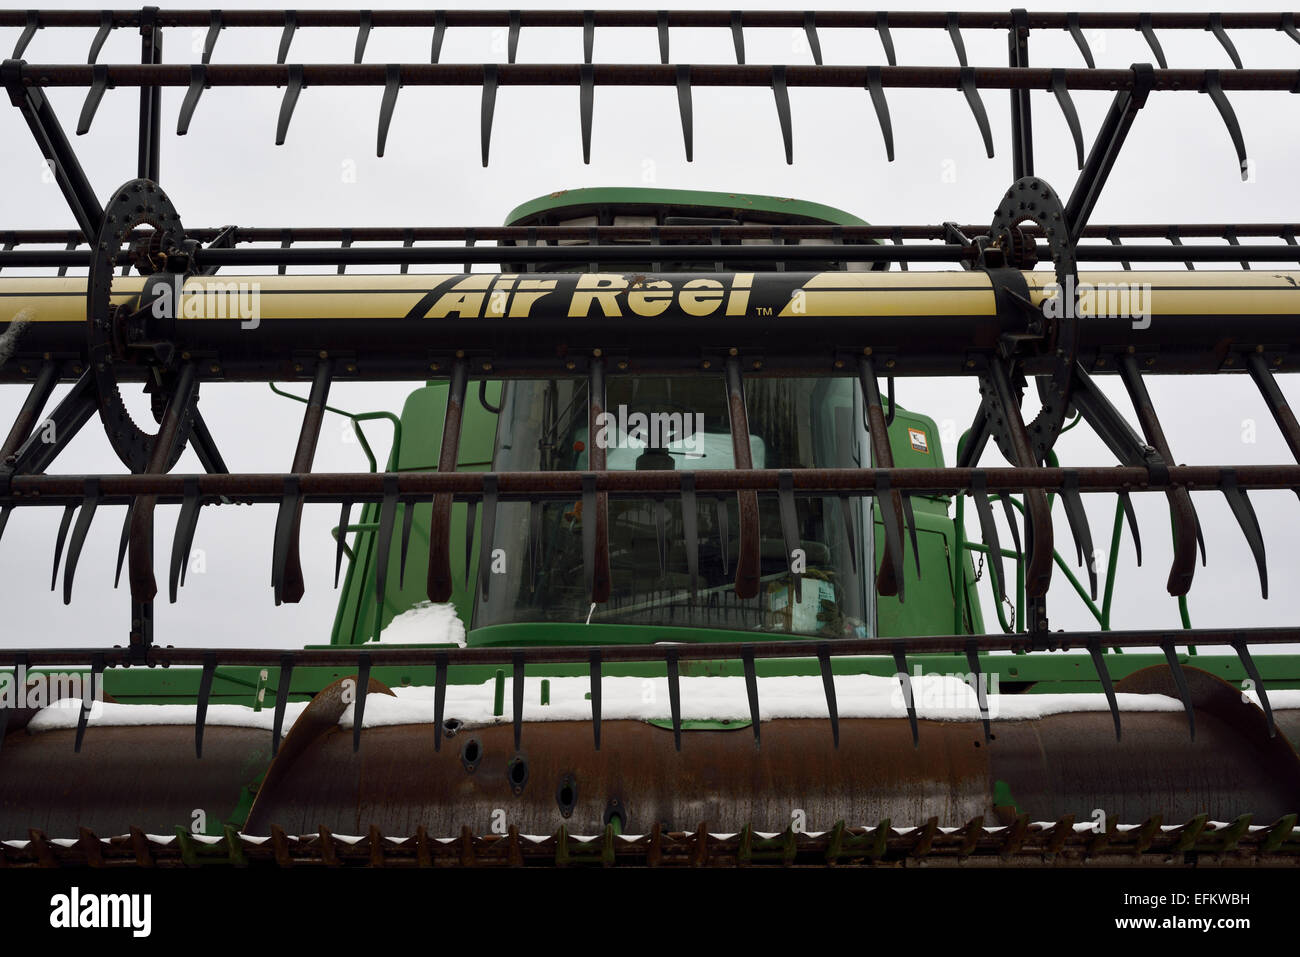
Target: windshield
681, 423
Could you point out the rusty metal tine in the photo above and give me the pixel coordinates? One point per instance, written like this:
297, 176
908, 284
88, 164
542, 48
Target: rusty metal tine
286, 37
850, 538
1248, 662
1242, 510
439, 33
966, 83
408, 518
79, 531
886, 41
186, 525
359, 708
392, 83
1180, 679
661, 25
517, 694
1062, 93
1107, 686
1127, 503
105, 26
205, 693
586, 105
738, 35
439, 698
981, 697
828, 684
690, 519
291, 93
363, 34
1216, 27
383, 545
1078, 520
909, 696
281, 700
1081, 41
96, 671
594, 662
588, 35
488, 107
98, 84
877, 90
65, 523
1211, 85
790, 529
512, 41
674, 696
489, 532
751, 689
345, 517
198, 83
1144, 24
783, 111
440, 585
989, 532
955, 32
685, 109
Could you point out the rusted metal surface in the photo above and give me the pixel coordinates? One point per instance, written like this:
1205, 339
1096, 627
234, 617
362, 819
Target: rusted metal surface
439, 578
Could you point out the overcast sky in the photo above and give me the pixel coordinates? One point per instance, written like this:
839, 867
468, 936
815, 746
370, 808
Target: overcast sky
1177, 166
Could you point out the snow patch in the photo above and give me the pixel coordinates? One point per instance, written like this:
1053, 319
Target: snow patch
426, 623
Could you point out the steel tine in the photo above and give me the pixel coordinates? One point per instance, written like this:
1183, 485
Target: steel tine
290, 100
1129, 514
1079, 526
535, 537
810, 31
586, 104
98, 84
887, 41
281, 700
512, 42
828, 684
517, 693
1288, 26
392, 83
674, 696
105, 26
751, 690
205, 693
123, 541
439, 698
383, 545
83, 715
1216, 27
595, 696
489, 532
1144, 24
981, 698
893, 533
957, 44
1071, 115
345, 518
1248, 662
290, 28
737, 35
359, 709
790, 528
850, 537
966, 83
989, 531
439, 33
661, 535
661, 23
724, 534
588, 35
471, 519
690, 532
1214, 88
910, 518
684, 108
1180, 679
283, 534
589, 533
909, 697
363, 34
198, 83
64, 524
1107, 686
1072, 24
1242, 510
881, 105
88, 506
186, 525
783, 111
408, 517
488, 108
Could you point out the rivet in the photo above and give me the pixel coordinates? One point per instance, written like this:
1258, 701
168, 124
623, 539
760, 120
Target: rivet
570, 364
733, 351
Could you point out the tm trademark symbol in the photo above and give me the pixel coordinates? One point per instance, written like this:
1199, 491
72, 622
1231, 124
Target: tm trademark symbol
764, 310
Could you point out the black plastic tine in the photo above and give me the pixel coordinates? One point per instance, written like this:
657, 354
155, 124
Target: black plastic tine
392, 83
810, 31
966, 83
783, 111
408, 240
439, 698
684, 107
198, 83
1112, 234
1103, 675
790, 527
957, 43
517, 693
1144, 24
1072, 24
345, 242
887, 41
87, 694
751, 690
286, 240
281, 700
205, 693
29, 31
661, 535
20, 682
589, 533
1127, 504
290, 499
290, 28
881, 105
1288, 26
122, 542
1071, 115
690, 530
65, 523
1176, 240
363, 34
512, 43
1180, 679
345, 518
1078, 520
724, 534
893, 534
850, 538
828, 684
910, 518
186, 525
97, 44
909, 697
1244, 512
72, 244
98, 84
359, 708
1248, 662
981, 698
661, 25
586, 104
88, 506
408, 517
489, 106
1216, 27
535, 538
1200, 538
1214, 88
215, 26
439, 33
674, 696
4, 518
1230, 234
989, 531
383, 545
489, 532
1010, 514
737, 35
595, 696
289, 102
588, 35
